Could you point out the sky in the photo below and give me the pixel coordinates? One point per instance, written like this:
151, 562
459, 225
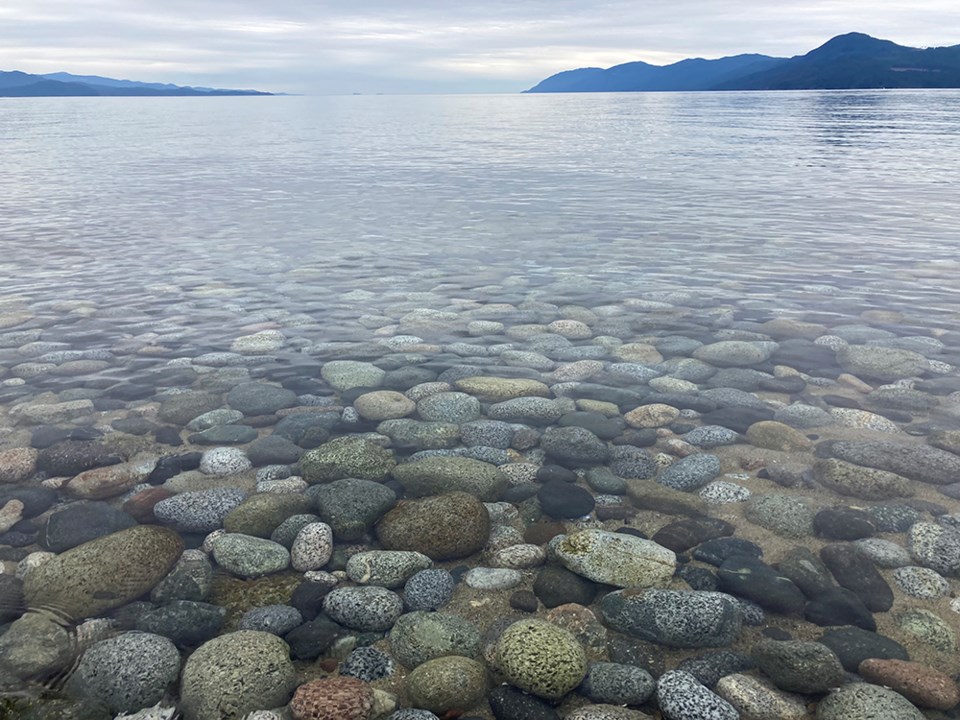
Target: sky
397, 46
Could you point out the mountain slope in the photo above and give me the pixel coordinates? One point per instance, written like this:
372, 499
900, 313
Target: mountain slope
20, 84
850, 61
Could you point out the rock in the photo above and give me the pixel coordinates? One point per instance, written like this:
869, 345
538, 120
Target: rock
492, 579
632, 462
884, 553
917, 462
352, 506
367, 608
756, 699
556, 586
617, 559
34, 645
854, 645
347, 374
224, 435
881, 363
922, 685
72, 457
51, 413
104, 573
421, 636
333, 698
509, 703
386, 568
928, 628
651, 416
181, 408
243, 671
368, 664
494, 390
438, 475
839, 606
921, 582
78, 523
190, 579
346, 457
936, 547
224, 461
717, 550
574, 446
783, 514
674, 618
617, 684
774, 435
681, 697
540, 658
249, 556
867, 483
681, 535
260, 514
861, 700
428, 590
565, 500
273, 450
275, 619
843, 523
312, 547
449, 407
384, 405
648, 495
798, 665
754, 580
711, 436
447, 683
201, 511
185, 622
17, 464
314, 638
261, 343
806, 571
528, 410
442, 527
720, 492
856, 572
691, 472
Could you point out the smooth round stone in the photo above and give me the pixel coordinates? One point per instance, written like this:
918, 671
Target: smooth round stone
574, 446
248, 556
921, 582
438, 475
287, 531
884, 553
565, 500
447, 683
221, 416
386, 568
803, 417
495, 390
936, 547
201, 511
917, 462
17, 464
368, 608
721, 492
674, 618
862, 700
417, 637
428, 590
483, 578
735, 353
922, 685
617, 684
78, 523
384, 405
341, 697
510, 703
346, 374
783, 514
261, 513
224, 461
185, 622
651, 416
261, 343
843, 523
711, 436
632, 373
853, 645
616, 559
273, 450
856, 481
681, 697
529, 410
540, 658
773, 435
752, 579
257, 398
347, 457
442, 527
488, 433
244, 670
312, 547
880, 363
757, 699
351, 506
929, 629
632, 463
691, 473
367, 664
719, 550
126, 673
522, 556
275, 619
449, 407
798, 666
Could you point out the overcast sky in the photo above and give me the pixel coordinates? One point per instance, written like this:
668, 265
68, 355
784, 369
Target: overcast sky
396, 46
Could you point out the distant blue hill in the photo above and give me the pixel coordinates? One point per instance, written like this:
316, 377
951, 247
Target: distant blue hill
62, 84
847, 61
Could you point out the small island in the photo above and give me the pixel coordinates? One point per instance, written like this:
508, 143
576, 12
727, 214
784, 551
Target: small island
62, 84
847, 62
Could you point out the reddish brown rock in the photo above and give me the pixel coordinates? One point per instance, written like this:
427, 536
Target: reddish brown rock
140, 506
106, 482
920, 684
333, 698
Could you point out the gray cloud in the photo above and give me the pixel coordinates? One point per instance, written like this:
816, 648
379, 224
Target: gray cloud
335, 46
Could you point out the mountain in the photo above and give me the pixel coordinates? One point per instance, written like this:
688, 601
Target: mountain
20, 84
851, 61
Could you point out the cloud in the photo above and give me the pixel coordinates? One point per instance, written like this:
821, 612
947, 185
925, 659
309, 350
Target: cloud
431, 45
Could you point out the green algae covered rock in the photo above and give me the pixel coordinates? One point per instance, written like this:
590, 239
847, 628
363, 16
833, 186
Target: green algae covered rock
541, 658
347, 457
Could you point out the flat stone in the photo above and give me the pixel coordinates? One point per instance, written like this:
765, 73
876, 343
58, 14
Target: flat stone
674, 618
856, 572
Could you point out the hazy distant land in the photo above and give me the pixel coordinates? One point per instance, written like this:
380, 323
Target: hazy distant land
62, 84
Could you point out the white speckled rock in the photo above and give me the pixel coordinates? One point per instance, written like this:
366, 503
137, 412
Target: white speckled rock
519, 557
617, 559
921, 582
386, 568
345, 374
312, 547
651, 416
224, 461
682, 697
849, 417
757, 699
481, 578
261, 343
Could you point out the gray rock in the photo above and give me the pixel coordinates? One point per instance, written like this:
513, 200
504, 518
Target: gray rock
488, 433
616, 559
921, 582
201, 511
574, 445
917, 462
417, 637
367, 608
190, 579
735, 353
386, 568
631, 462
528, 410
367, 664
449, 407
224, 461
881, 363
783, 514
936, 547
126, 673
249, 556
692, 472
351, 506
428, 590
681, 697
674, 618
711, 436
438, 475
274, 619
419, 434
862, 700
617, 684
799, 415
799, 666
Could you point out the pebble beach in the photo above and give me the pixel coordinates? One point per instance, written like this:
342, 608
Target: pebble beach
483, 500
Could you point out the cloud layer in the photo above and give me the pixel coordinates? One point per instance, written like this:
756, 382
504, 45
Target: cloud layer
334, 46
